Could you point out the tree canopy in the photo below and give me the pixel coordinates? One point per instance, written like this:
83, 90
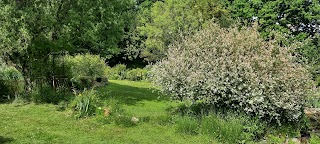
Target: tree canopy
297, 20
135, 29
165, 21
73, 25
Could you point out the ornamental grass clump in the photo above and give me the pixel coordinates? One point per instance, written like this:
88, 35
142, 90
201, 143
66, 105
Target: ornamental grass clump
235, 68
85, 104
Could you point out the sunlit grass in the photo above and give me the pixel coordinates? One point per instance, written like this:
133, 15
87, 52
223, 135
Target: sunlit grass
42, 123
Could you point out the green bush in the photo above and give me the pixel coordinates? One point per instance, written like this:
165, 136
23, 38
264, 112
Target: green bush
85, 104
137, 74
11, 82
83, 69
235, 69
118, 72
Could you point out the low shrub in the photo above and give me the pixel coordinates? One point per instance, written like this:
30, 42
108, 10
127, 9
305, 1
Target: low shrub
120, 72
117, 72
85, 104
83, 69
137, 74
235, 69
11, 83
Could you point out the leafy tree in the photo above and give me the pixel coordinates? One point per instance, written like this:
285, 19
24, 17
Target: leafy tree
75, 25
298, 20
32, 30
164, 22
14, 35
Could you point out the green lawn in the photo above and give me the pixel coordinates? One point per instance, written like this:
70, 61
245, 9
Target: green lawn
32, 123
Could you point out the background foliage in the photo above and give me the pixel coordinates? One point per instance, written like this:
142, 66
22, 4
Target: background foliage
165, 21
297, 20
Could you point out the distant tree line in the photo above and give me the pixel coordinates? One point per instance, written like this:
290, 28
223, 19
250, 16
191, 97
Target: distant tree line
141, 31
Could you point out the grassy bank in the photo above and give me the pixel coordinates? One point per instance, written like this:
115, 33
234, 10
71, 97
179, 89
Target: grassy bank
47, 123
43, 123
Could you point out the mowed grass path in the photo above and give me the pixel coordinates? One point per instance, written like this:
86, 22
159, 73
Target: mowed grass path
42, 123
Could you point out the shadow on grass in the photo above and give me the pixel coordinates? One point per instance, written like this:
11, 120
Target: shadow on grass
130, 95
5, 140
4, 102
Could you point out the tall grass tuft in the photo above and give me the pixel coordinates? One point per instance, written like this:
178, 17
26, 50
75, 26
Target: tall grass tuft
187, 125
85, 103
227, 131
232, 128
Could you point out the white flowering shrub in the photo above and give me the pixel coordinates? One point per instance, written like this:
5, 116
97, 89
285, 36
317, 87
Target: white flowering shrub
235, 69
